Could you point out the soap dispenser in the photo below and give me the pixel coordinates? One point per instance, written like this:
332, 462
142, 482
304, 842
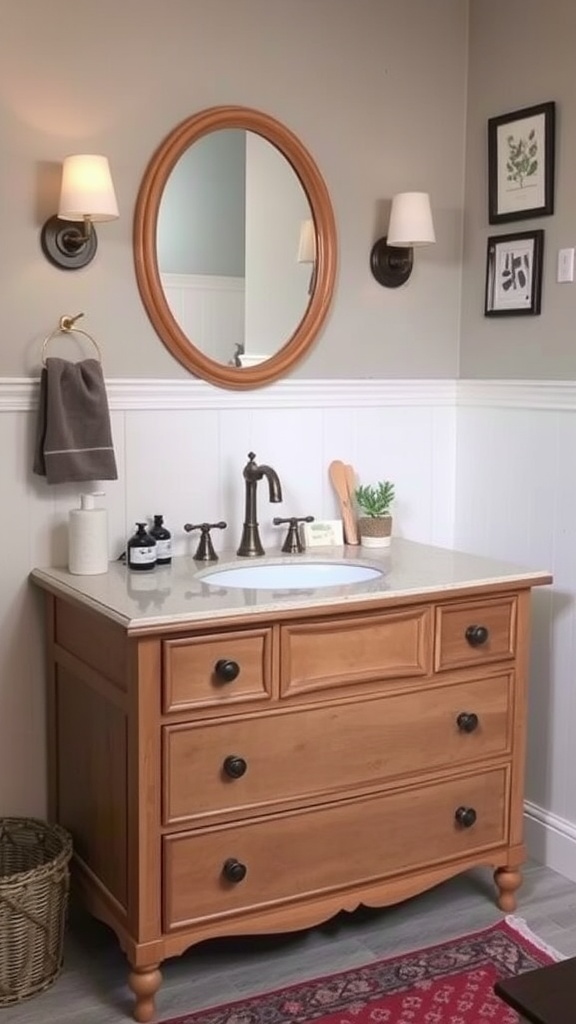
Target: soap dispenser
141, 550
88, 537
163, 539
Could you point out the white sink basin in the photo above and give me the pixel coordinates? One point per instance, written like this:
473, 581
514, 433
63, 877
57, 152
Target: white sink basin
286, 576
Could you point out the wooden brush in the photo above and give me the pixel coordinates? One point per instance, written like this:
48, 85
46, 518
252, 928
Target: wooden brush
339, 479
352, 482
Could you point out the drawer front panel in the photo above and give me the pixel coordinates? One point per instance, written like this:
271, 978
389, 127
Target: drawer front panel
329, 849
208, 671
475, 632
318, 753
318, 656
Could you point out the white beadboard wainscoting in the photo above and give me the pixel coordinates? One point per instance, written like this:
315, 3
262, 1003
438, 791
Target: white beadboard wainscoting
516, 499
210, 307
480, 465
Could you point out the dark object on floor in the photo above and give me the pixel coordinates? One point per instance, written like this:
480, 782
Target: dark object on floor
544, 996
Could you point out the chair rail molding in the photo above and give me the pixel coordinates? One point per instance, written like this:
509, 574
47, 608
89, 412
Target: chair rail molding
21, 394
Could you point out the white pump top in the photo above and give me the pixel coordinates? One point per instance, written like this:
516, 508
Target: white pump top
88, 501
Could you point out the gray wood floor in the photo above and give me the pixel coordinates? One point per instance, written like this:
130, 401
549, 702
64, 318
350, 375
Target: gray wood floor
92, 988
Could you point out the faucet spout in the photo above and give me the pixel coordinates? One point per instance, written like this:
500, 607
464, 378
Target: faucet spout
250, 544
274, 485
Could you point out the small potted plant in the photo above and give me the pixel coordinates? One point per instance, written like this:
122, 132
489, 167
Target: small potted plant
375, 518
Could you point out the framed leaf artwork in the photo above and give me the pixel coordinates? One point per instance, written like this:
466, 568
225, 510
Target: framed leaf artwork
521, 164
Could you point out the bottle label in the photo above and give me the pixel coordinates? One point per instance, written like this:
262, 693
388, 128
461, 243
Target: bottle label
164, 548
142, 556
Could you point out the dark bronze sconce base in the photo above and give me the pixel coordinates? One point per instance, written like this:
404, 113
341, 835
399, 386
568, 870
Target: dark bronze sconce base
390, 265
67, 244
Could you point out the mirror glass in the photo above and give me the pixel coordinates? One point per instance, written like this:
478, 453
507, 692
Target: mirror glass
229, 225
235, 246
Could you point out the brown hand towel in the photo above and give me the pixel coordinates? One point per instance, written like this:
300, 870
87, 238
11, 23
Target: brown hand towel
74, 439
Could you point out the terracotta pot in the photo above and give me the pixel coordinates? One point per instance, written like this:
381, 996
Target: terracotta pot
375, 531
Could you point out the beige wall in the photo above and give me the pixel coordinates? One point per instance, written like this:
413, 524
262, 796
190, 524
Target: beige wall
521, 53
374, 88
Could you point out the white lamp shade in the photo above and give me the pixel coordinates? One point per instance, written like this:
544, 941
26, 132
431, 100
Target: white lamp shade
87, 190
411, 220
307, 242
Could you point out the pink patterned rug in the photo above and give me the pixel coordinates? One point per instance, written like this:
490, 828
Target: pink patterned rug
451, 983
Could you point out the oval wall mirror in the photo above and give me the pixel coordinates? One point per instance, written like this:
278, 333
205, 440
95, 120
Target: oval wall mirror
235, 246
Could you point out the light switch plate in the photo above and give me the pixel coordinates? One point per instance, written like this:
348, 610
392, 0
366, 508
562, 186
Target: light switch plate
565, 266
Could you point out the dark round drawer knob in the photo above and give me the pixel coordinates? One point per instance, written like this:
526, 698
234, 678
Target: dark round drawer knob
467, 721
227, 670
476, 635
234, 870
235, 766
465, 816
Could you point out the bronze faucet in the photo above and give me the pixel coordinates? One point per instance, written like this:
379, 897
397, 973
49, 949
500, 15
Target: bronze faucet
251, 545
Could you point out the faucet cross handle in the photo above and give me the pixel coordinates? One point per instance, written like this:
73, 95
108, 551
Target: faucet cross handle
292, 545
205, 551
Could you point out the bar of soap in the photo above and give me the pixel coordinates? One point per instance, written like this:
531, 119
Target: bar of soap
322, 533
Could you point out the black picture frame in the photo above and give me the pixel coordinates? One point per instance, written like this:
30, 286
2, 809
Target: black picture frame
521, 155
514, 274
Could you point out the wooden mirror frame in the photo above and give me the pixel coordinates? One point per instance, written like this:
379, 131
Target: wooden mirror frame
146, 261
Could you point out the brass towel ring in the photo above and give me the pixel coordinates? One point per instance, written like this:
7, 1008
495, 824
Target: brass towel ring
66, 326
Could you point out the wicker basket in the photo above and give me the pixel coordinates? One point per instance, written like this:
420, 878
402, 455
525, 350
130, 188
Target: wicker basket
34, 883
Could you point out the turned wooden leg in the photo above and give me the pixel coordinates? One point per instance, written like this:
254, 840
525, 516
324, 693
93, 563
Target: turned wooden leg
507, 880
144, 982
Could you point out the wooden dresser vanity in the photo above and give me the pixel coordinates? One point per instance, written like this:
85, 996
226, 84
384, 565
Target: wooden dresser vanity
242, 761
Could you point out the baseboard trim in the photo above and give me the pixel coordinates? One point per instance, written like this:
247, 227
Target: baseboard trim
550, 839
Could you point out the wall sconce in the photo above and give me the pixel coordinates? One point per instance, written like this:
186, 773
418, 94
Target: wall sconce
87, 195
307, 249
410, 225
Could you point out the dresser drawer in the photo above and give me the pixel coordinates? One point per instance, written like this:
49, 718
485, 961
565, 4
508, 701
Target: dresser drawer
318, 656
226, 668
257, 763
332, 848
475, 632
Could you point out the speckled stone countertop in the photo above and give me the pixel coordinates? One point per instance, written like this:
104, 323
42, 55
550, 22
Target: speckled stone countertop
181, 592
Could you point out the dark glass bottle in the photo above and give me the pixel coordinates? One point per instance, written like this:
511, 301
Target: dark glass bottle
163, 539
141, 550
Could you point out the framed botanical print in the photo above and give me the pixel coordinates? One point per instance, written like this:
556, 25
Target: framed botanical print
521, 164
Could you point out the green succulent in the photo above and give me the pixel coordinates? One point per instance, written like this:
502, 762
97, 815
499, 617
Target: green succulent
375, 500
